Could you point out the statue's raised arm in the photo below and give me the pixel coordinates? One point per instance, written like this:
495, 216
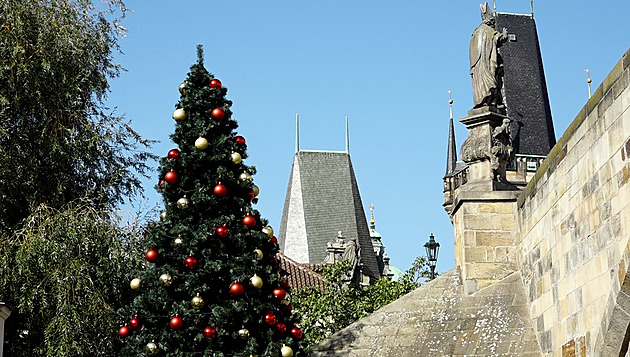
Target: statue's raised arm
486, 68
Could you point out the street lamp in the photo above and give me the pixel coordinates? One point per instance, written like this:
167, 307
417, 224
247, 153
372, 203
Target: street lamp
433, 249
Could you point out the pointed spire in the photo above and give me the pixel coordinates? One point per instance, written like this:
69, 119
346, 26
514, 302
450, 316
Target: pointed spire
451, 155
347, 137
297, 132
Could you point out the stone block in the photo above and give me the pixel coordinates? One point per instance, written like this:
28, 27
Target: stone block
481, 222
475, 255
495, 239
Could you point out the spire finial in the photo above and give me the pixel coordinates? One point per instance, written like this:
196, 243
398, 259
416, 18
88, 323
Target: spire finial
588, 80
532, 6
450, 102
495, 7
297, 132
347, 137
372, 221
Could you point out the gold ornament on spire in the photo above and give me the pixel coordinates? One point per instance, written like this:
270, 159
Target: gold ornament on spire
588, 80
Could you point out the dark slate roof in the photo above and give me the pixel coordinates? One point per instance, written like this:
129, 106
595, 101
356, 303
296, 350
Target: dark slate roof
525, 87
300, 276
322, 199
438, 319
451, 153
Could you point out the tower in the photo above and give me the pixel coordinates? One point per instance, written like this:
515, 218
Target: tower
323, 199
525, 95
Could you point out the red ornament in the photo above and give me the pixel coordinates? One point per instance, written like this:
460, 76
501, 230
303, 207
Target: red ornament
284, 283
217, 113
240, 140
215, 83
297, 332
190, 262
123, 331
249, 221
173, 154
170, 177
237, 289
290, 307
251, 195
134, 324
282, 328
161, 184
220, 190
152, 256
274, 240
209, 332
223, 231
280, 293
271, 319
176, 323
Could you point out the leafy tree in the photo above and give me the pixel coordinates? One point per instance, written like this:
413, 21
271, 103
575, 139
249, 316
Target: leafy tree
211, 285
339, 304
65, 161
58, 141
66, 268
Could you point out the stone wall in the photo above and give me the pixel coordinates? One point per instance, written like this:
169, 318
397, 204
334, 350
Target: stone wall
573, 227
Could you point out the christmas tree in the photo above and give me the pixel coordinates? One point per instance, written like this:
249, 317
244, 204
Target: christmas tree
211, 284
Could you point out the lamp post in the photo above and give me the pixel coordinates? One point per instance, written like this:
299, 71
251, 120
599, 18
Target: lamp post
433, 249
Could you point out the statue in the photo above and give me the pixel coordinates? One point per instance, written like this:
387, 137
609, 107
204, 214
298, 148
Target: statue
502, 150
486, 67
351, 253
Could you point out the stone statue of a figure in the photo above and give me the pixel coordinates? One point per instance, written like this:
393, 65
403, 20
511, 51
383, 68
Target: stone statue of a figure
486, 68
351, 253
502, 149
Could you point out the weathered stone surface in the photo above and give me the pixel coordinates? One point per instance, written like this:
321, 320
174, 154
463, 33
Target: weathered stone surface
438, 319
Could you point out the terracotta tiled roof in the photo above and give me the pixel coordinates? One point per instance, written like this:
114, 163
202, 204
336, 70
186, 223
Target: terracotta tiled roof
300, 276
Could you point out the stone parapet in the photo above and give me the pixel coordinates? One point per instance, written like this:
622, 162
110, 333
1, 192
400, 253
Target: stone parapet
573, 229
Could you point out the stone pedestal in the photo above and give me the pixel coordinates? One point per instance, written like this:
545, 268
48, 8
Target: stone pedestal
483, 209
487, 149
485, 239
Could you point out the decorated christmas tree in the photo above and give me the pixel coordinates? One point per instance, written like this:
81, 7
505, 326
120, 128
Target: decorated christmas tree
211, 284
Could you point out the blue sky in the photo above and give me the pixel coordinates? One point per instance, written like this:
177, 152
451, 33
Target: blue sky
388, 66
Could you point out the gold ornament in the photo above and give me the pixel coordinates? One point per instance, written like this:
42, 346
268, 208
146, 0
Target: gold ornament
183, 203
166, 279
260, 253
255, 190
236, 158
201, 143
286, 351
268, 231
179, 114
151, 349
256, 281
135, 284
245, 177
183, 87
244, 333
197, 302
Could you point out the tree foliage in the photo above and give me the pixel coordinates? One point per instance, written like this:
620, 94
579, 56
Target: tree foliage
65, 161
328, 310
58, 141
67, 270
